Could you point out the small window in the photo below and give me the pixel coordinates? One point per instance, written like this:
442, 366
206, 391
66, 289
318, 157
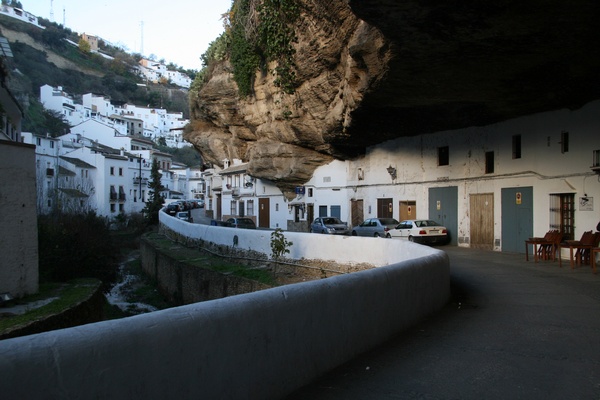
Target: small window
564, 142
51, 145
233, 208
443, 155
489, 162
113, 207
38, 141
516, 147
310, 192
112, 170
120, 171
250, 207
49, 171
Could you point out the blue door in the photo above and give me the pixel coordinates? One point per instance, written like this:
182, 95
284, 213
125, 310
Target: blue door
517, 218
443, 208
336, 211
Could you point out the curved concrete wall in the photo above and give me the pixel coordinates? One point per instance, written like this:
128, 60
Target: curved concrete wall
261, 345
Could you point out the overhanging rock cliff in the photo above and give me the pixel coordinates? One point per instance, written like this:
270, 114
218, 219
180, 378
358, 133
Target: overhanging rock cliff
372, 70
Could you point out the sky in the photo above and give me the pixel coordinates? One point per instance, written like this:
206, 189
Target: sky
178, 31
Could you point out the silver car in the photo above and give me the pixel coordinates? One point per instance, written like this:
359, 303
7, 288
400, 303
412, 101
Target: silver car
331, 225
375, 227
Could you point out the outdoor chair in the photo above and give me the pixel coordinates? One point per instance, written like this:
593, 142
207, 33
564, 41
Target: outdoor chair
544, 247
580, 250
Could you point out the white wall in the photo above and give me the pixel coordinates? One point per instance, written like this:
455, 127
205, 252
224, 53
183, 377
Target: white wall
541, 166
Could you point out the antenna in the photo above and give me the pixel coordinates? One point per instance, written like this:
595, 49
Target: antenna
52, 10
142, 33
64, 22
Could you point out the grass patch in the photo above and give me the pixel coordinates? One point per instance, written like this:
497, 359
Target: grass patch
209, 261
69, 294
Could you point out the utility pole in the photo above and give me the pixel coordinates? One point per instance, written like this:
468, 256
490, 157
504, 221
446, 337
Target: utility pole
52, 10
142, 34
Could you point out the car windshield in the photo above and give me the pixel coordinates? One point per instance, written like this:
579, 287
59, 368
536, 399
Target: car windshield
388, 221
331, 221
245, 221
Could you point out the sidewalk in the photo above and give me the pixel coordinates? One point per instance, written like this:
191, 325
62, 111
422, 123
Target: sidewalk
513, 330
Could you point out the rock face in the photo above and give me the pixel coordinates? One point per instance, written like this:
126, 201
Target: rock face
373, 70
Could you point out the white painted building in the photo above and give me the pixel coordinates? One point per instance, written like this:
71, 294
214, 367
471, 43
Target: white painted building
154, 71
492, 186
21, 15
126, 119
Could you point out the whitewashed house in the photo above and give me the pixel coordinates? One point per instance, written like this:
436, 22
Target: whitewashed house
125, 119
154, 71
492, 186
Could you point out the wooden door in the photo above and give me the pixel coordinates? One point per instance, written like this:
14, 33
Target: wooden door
408, 210
357, 212
264, 214
482, 220
385, 208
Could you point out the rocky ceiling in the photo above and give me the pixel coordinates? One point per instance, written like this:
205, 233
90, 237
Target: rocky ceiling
460, 63
374, 70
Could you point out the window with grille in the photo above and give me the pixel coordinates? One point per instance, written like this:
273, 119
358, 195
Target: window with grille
562, 214
250, 207
233, 210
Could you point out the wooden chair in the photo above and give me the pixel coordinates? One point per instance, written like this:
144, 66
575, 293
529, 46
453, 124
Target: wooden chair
549, 248
542, 246
579, 250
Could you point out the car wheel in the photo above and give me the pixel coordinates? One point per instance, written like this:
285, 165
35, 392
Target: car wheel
411, 239
354, 233
376, 235
388, 236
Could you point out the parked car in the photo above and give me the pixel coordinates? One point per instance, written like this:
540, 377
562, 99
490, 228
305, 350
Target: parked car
200, 203
172, 209
420, 231
375, 227
331, 225
241, 222
184, 215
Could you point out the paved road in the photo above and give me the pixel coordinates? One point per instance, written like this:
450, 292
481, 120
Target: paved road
513, 330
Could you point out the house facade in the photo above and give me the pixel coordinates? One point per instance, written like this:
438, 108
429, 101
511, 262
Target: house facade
126, 119
493, 186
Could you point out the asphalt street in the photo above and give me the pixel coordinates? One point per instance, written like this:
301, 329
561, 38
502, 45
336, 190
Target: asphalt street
512, 330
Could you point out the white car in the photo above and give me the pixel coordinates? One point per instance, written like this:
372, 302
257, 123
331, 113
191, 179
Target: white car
420, 231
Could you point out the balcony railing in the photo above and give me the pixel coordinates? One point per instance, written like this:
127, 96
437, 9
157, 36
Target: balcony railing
136, 180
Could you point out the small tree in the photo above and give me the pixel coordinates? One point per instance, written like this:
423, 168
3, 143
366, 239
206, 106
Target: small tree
155, 200
279, 244
84, 46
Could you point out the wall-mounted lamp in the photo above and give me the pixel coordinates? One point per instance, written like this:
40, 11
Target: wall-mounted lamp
392, 171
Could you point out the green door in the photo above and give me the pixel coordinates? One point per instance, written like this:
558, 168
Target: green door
443, 208
517, 218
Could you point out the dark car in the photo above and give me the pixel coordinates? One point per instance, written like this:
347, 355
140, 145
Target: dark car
331, 225
241, 222
172, 209
375, 227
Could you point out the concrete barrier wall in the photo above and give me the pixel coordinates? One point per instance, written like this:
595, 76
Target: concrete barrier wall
338, 249
260, 345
